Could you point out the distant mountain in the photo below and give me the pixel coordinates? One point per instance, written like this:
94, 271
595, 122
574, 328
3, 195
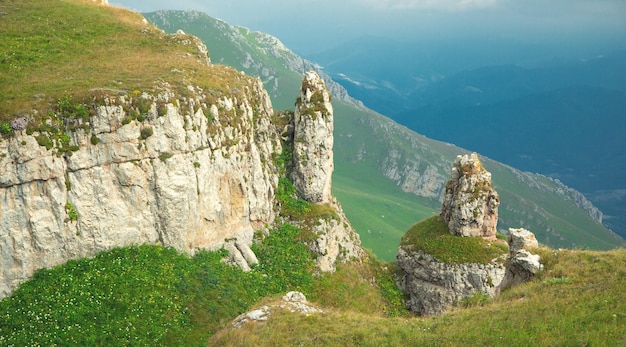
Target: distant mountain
386, 176
552, 113
387, 75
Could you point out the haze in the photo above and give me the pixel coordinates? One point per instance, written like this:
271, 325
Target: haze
311, 26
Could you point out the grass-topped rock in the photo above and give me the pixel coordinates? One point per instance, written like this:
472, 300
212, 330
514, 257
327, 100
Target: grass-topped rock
457, 257
433, 237
441, 270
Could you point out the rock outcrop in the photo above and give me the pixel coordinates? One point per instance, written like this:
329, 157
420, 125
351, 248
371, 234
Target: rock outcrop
470, 205
521, 264
292, 302
434, 287
469, 210
312, 164
194, 172
313, 141
337, 241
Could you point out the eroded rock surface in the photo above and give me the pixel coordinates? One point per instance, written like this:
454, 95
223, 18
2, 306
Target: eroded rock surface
434, 287
470, 205
521, 264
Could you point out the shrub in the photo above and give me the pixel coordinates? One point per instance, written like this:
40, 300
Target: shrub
71, 211
67, 108
19, 124
165, 156
146, 132
5, 130
94, 140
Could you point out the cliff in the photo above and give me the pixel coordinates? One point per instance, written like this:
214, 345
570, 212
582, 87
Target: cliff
191, 174
188, 171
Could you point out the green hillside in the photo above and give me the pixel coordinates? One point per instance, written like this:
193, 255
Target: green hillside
150, 295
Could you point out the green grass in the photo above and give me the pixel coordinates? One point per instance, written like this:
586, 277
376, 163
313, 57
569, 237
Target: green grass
433, 237
72, 47
586, 311
151, 295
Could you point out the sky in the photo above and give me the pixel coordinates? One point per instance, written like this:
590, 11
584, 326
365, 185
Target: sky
311, 26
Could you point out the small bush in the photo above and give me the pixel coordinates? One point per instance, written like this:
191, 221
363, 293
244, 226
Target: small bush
69, 109
146, 132
5, 130
71, 211
165, 156
94, 140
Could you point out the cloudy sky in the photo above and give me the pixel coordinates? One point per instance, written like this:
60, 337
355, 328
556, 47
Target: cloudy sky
308, 26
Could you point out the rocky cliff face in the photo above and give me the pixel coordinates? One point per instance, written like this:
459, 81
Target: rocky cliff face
470, 204
196, 171
189, 170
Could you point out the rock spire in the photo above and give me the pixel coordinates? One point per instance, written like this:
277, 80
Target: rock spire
470, 205
313, 141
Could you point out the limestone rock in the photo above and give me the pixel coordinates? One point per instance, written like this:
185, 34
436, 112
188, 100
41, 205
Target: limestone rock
434, 287
337, 241
521, 239
292, 301
194, 182
313, 141
521, 265
470, 206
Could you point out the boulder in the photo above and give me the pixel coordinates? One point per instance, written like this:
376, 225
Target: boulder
521, 239
521, 265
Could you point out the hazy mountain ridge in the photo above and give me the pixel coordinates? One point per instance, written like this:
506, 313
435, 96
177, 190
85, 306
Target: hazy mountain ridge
252, 51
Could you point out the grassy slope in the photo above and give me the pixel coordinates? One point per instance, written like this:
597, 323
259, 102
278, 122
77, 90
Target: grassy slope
150, 295
578, 300
228, 45
68, 48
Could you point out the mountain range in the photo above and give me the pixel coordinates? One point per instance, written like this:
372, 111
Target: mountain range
386, 176
533, 108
